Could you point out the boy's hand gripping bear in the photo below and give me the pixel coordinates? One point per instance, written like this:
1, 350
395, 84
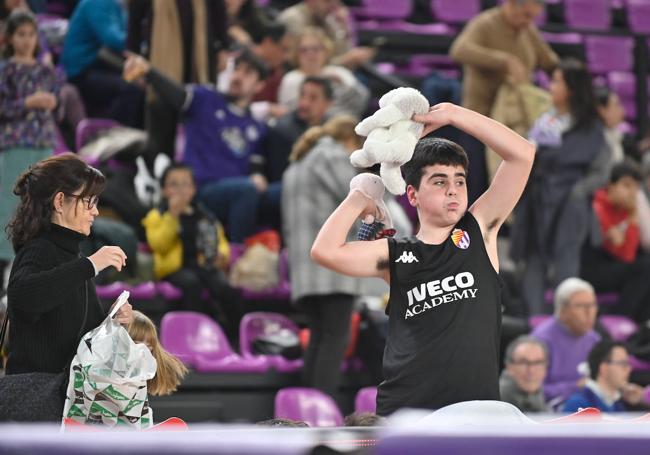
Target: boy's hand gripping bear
380, 225
392, 135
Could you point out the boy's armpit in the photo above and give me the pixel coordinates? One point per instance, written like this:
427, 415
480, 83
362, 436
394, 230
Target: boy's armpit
382, 264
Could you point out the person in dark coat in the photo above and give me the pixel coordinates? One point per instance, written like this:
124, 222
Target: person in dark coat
51, 295
552, 218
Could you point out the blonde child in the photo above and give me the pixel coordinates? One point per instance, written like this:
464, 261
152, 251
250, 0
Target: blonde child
170, 370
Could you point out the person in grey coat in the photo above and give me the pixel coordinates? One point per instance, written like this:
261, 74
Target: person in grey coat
314, 184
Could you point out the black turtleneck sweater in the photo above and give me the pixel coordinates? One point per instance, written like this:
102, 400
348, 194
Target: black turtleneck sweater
47, 297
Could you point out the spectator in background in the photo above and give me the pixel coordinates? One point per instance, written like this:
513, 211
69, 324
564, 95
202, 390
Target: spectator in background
569, 336
28, 96
501, 44
243, 17
333, 18
272, 44
182, 39
169, 370
521, 383
190, 249
616, 265
312, 57
498, 45
572, 161
316, 95
97, 24
612, 114
315, 183
223, 142
607, 388
70, 110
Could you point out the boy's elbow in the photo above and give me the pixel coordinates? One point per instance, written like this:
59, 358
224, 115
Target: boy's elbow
318, 255
531, 149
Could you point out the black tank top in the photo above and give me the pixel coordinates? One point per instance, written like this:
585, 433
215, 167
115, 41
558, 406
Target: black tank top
444, 322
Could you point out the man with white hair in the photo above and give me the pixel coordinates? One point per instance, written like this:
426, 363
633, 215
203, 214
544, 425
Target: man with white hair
569, 336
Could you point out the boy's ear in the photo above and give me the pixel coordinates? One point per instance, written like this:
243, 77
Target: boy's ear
412, 195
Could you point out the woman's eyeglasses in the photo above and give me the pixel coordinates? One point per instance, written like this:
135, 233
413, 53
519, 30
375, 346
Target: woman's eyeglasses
90, 202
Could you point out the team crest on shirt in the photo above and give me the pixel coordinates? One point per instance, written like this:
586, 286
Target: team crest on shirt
460, 238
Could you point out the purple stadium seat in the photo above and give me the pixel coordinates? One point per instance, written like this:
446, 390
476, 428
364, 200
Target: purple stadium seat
384, 9
537, 319
638, 16
111, 291
455, 11
620, 328
59, 144
260, 323
624, 84
198, 341
609, 53
168, 291
90, 127
587, 14
143, 291
638, 364
309, 405
366, 400
407, 27
562, 38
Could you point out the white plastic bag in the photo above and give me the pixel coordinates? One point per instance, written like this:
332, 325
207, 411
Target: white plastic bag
108, 377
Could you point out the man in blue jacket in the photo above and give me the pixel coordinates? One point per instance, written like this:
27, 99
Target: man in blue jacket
97, 24
607, 388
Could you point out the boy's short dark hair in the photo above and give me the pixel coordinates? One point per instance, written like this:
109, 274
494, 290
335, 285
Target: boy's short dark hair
430, 151
624, 169
600, 353
324, 83
248, 57
175, 167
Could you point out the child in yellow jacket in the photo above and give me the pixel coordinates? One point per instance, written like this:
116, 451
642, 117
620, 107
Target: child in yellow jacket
190, 249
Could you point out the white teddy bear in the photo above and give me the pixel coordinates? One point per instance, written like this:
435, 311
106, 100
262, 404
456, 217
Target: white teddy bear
392, 135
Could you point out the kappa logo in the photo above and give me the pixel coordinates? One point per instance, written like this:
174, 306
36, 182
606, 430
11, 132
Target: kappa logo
407, 258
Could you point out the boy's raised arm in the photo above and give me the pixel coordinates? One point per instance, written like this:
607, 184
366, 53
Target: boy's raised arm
495, 205
359, 259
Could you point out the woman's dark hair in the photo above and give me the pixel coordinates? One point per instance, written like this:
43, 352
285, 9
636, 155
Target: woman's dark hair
37, 187
582, 102
17, 18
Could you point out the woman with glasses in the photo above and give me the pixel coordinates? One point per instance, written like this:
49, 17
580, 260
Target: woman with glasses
312, 56
51, 295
